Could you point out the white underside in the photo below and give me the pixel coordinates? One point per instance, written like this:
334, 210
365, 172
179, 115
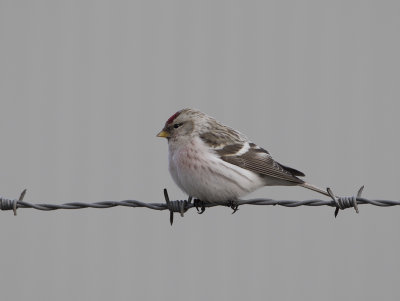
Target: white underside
202, 174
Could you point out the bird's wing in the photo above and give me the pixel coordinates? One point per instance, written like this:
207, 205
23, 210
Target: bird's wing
251, 157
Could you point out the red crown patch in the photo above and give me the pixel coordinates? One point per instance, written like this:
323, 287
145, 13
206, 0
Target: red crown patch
172, 118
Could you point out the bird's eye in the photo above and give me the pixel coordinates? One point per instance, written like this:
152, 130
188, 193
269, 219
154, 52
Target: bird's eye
176, 125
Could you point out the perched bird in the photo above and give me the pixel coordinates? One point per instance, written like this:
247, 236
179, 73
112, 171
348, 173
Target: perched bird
215, 163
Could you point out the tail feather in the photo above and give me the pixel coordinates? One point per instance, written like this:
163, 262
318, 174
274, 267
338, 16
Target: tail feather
314, 188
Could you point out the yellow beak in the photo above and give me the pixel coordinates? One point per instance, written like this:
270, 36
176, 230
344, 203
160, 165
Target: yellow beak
163, 134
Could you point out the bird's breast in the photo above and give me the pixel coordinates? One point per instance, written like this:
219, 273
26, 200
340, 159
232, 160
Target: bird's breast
199, 172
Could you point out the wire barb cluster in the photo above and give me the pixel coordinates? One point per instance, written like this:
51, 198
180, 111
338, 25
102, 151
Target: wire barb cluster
8, 204
345, 202
181, 206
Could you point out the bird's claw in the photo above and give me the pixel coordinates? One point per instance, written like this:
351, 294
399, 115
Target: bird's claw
199, 205
233, 205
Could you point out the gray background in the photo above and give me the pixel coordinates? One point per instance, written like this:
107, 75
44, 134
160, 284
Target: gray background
86, 85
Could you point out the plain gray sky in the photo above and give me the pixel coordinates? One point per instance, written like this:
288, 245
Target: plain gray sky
86, 85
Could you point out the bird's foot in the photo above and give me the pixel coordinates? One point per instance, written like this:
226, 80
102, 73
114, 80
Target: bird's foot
233, 205
199, 205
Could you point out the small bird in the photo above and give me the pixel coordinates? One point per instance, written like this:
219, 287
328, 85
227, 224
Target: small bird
215, 163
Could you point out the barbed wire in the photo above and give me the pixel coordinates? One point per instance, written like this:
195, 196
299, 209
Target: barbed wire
181, 206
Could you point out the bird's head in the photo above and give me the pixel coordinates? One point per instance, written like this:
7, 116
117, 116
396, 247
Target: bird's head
183, 124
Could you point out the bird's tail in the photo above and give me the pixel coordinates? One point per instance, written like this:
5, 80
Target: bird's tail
315, 188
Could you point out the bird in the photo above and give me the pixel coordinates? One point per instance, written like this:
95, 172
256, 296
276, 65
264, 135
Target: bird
215, 163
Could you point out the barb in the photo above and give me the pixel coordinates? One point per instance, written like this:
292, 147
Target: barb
181, 206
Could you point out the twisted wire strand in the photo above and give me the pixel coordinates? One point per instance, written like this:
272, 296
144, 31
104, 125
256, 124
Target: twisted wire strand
181, 206
316, 202
163, 206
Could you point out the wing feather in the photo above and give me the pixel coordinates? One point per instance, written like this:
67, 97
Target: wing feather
249, 156
263, 164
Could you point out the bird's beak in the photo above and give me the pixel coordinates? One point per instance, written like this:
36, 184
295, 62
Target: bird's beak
163, 134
